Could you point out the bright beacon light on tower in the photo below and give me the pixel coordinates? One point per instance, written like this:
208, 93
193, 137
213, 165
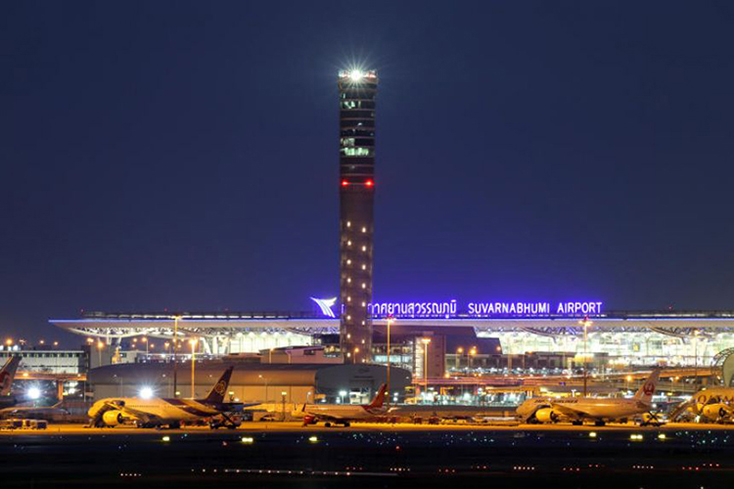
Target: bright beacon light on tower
356, 75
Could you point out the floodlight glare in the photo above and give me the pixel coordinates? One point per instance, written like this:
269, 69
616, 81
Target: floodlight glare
145, 392
356, 75
34, 393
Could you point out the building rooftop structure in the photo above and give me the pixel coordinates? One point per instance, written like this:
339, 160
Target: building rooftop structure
677, 337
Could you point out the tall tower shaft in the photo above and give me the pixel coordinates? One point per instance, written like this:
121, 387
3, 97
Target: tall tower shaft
357, 93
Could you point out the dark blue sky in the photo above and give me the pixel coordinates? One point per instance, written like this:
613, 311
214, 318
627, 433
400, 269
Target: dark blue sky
184, 155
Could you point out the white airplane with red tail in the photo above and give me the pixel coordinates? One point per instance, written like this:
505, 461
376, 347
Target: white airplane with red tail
343, 414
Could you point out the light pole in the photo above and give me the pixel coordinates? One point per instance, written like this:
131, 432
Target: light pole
145, 340
426, 342
586, 323
266, 386
193, 342
175, 352
390, 320
472, 354
695, 357
100, 345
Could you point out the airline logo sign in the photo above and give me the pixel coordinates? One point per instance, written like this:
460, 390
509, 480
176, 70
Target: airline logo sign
220, 387
649, 389
326, 306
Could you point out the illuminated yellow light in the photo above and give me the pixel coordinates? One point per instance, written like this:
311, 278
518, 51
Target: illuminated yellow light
313, 439
662, 436
592, 434
248, 439
166, 438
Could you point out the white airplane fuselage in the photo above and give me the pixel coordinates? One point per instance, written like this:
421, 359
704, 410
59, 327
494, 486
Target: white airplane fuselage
341, 411
607, 409
163, 411
600, 409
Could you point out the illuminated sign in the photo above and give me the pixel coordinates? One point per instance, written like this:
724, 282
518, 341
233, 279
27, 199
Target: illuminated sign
448, 309
325, 305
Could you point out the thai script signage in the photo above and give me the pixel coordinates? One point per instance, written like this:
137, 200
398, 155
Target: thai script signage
448, 309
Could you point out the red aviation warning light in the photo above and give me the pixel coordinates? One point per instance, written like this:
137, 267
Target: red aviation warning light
344, 183
369, 183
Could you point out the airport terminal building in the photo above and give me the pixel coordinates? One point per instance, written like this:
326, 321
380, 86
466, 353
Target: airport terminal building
423, 339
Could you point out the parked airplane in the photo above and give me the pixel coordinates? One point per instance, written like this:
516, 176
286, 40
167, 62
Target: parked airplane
715, 404
158, 411
7, 374
49, 413
343, 413
600, 410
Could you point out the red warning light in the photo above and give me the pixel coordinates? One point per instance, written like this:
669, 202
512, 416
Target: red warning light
369, 183
344, 183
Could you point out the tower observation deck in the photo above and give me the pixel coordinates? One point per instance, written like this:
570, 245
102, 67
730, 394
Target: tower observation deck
357, 92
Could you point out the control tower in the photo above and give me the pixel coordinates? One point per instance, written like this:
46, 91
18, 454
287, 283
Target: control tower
357, 92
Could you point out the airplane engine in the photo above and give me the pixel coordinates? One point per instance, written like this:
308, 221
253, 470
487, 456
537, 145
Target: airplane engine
113, 417
308, 419
547, 415
716, 411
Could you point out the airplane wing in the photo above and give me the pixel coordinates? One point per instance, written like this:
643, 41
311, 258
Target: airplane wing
327, 417
133, 414
682, 407
568, 411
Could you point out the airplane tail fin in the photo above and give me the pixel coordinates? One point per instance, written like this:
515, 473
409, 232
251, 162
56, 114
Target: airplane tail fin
216, 395
7, 374
646, 390
379, 398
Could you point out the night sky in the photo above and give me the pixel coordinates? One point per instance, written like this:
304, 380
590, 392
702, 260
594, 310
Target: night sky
185, 155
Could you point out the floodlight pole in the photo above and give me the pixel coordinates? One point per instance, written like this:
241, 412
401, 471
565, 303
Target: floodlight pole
175, 355
586, 323
193, 366
390, 320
